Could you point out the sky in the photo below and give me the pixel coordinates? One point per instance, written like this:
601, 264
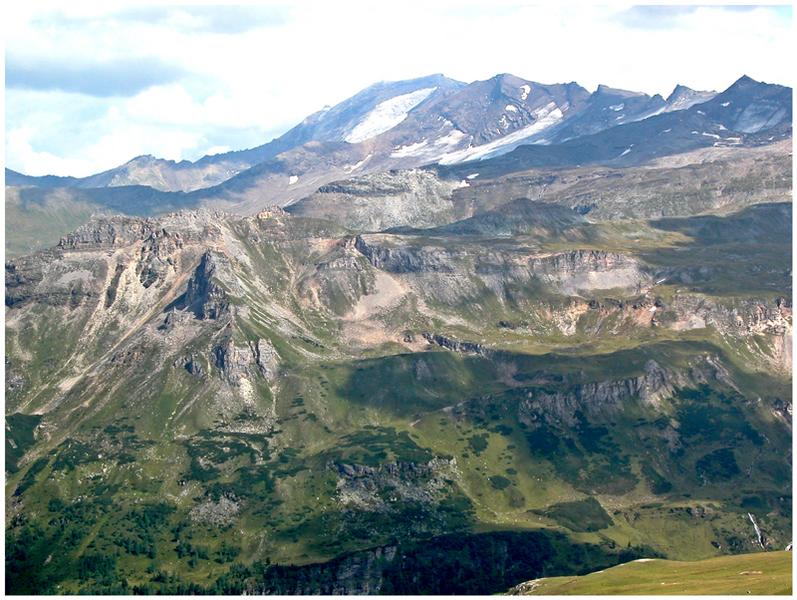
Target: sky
90, 85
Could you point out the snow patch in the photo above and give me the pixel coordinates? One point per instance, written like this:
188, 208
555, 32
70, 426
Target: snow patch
354, 167
472, 176
386, 115
525, 90
725, 104
511, 108
626, 151
431, 151
546, 116
711, 135
617, 107
293, 179
667, 130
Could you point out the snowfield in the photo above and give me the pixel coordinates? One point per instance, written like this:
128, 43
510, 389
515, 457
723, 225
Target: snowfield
431, 150
547, 116
386, 115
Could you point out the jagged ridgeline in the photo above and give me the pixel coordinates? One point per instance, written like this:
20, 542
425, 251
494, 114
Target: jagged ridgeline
203, 402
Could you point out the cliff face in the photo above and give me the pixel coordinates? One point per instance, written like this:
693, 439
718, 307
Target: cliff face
588, 270
604, 399
204, 296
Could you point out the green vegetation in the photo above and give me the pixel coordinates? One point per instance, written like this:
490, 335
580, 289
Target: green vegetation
539, 434
765, 573
579, 515
19, 437
33, 225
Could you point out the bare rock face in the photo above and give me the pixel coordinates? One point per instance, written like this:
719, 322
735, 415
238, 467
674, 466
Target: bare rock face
601, 399
569, 273
375, 488
107, 233
231, 361
265, 357
415, 197
220, 512
582, 270
748, 317
742, 319
456, 345
204, 296
236, 363
405, 259
156, 256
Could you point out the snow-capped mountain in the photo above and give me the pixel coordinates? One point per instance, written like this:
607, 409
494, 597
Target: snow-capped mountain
434, 119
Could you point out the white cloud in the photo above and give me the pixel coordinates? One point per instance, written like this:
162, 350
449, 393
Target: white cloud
241, 89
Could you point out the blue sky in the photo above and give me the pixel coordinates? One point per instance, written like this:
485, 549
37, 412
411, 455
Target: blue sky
91, 86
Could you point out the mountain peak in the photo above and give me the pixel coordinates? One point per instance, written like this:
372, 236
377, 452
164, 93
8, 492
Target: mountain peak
679, 90
683, 97
744, 83
745, 80
610, 91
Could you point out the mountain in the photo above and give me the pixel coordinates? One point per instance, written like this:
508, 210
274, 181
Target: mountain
426, 134
607, 108
683, 97
157, 173
393, 124
748, 113
379, 106
405, 351
210, 402
751, 107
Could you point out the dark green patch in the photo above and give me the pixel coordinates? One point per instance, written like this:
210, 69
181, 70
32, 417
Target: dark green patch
579, 515
499, 482
19, 438
718, 465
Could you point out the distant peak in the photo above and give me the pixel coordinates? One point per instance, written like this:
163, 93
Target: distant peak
679, 91
143, 158
509, 77
610, 91
745, 80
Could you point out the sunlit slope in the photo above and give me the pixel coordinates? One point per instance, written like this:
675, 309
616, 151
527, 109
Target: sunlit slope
761, 573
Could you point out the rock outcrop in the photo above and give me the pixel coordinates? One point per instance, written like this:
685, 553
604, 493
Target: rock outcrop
204, 296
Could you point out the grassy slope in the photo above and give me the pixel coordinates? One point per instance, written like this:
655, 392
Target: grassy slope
34, 226
761, 573
342, 408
